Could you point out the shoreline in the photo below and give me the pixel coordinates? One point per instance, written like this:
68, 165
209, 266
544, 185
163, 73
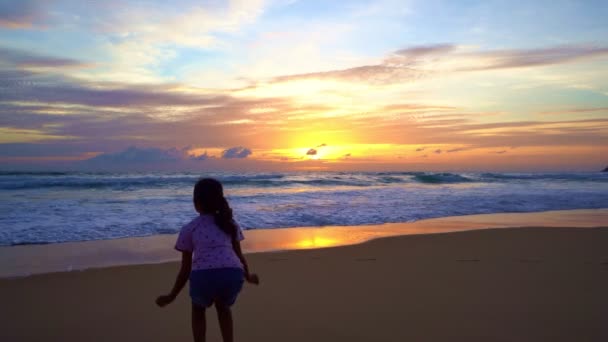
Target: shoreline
24, 260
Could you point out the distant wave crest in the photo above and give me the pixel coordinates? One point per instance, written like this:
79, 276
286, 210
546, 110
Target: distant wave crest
41, 180
438, 178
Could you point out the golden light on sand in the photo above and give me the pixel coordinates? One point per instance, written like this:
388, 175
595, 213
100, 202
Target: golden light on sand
317, 242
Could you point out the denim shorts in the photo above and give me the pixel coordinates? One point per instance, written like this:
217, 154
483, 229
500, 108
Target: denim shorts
219, 285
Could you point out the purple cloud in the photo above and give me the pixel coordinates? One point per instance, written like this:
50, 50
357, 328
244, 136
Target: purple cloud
21, 58
201, 157
236, 152
19, 14
411, 55
146, 155
139, 155
506, 59
370, 73
576, 110
47, 149
405, 64
62, 92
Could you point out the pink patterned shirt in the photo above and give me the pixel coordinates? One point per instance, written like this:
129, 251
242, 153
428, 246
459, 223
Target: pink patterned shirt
212, 248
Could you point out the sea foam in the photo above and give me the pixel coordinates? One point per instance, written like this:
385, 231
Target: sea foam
53, 207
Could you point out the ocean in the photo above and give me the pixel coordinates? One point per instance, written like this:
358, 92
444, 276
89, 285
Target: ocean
51, 207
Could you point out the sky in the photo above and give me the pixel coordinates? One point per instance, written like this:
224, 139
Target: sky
304, 85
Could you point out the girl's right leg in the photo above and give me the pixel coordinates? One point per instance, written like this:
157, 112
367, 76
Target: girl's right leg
224, 315
199, 323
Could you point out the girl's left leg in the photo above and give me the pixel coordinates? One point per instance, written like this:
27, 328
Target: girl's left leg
224, 315
199, 323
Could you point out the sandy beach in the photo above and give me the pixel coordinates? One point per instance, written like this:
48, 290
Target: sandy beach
520, 284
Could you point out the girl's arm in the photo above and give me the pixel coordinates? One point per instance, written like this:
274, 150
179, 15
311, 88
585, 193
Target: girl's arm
250, 277
180, 280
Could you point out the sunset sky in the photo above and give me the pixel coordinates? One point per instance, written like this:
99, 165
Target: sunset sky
304, 85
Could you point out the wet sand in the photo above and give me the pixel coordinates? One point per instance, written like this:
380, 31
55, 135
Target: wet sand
520, 284
35, 259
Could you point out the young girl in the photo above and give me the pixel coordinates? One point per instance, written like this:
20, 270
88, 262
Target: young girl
218, 268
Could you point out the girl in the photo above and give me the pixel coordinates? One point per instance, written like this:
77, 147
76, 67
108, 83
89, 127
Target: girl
219, 268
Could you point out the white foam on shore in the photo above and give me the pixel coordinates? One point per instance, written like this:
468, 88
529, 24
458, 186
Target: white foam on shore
17, 261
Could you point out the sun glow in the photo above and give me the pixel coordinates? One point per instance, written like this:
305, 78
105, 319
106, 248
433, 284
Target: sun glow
341, 152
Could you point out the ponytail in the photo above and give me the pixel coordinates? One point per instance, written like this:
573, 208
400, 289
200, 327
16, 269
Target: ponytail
209, 195
224, 219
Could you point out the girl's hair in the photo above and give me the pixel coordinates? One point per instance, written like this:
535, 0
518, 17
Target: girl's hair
209, 195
